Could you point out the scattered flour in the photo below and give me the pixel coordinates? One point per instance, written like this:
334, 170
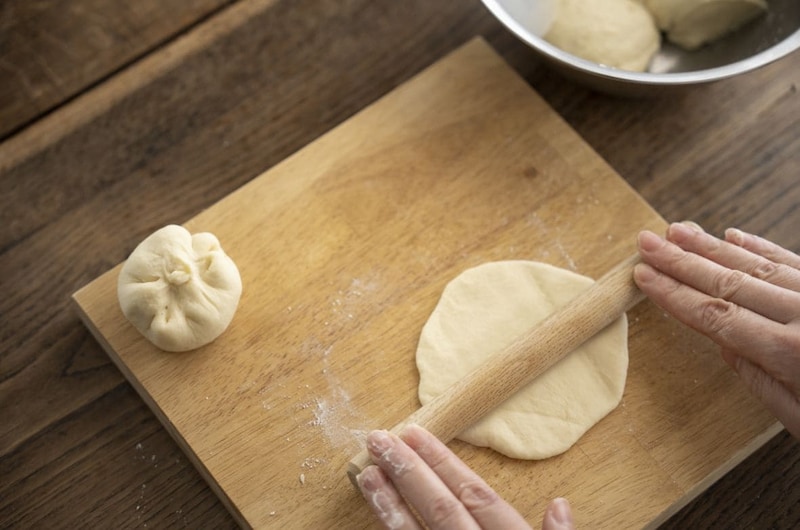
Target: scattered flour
334, 416
535, 221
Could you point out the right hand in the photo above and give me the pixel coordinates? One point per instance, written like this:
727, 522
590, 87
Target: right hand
742, 292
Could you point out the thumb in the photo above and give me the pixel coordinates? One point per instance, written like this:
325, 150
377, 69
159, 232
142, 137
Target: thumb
777, 398
558, 516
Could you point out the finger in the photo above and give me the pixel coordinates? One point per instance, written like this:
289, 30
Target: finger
483, 503
735, 257
773, 394
772, 301
762, 247
753, 336
418, 483
385, 501
558, 516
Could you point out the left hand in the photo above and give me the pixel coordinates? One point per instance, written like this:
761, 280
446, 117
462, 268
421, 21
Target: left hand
417, 470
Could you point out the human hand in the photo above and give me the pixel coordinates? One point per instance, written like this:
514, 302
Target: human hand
416, 470
744, 293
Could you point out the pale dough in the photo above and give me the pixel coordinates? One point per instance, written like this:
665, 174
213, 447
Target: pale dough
484, 309
180, 290
692, 23
616, 33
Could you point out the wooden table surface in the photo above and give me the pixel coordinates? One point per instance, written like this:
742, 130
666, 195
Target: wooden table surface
117, 118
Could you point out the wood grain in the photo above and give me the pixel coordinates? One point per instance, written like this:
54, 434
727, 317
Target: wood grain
398, 200
202, 115
52, 51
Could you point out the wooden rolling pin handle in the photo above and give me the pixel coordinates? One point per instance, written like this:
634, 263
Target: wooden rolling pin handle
469, 399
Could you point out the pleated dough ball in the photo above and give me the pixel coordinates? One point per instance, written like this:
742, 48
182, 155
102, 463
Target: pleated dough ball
616, 33
179, 290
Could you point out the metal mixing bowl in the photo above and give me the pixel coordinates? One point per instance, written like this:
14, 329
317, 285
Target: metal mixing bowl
760, 42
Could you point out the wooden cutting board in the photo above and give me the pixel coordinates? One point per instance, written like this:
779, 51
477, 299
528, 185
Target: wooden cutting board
344, 249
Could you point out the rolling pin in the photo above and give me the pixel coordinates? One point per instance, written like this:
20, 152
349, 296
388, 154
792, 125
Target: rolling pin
504, 373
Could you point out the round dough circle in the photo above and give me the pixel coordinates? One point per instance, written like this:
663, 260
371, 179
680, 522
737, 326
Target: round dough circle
487, 307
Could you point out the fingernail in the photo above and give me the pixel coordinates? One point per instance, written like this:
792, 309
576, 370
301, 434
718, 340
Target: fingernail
648, 241
644, 273
735, 236
373, 489
408, 429
561, 512
378, 442
415, 437
677, 231
368, 480
381, 447
694, 226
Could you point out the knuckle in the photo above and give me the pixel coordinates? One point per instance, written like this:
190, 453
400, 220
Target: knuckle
443, 510
764, 270
718, 316
477, 495
771, 272
729, 282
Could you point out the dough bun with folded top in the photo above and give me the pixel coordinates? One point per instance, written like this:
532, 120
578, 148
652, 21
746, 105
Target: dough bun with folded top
178, 289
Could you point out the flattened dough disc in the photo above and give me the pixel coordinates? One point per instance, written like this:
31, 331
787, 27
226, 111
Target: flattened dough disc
484, 309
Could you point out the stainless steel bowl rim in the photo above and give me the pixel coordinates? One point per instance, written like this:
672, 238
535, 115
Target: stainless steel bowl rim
781, 49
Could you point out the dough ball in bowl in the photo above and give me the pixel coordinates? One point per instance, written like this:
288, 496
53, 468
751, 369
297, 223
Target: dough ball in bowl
739, 44
693, 23
616, 33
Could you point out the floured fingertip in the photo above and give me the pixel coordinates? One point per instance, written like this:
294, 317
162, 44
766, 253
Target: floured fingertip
383, 501
381, 445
